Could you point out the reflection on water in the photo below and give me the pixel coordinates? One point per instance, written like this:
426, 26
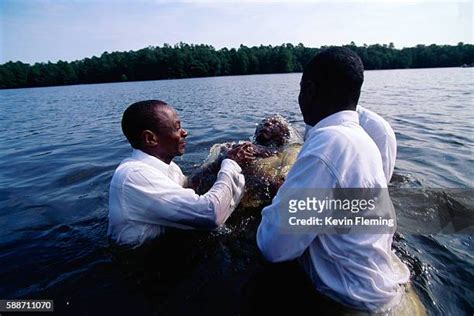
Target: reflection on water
60, 146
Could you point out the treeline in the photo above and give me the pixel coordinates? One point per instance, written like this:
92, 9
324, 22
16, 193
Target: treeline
186, 61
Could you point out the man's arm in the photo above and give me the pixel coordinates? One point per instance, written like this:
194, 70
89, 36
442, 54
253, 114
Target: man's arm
158, 200
308, 172
204, 177
230, 181
383, 135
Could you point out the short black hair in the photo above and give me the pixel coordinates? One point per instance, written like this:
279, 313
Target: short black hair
338, 73
138, 117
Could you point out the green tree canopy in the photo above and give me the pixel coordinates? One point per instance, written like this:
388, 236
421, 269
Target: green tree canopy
187, 60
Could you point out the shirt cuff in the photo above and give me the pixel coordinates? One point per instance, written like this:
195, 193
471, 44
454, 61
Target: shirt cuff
229, 164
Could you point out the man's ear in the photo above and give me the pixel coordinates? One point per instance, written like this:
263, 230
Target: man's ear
149, 138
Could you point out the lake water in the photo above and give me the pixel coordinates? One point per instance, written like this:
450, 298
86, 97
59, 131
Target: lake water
60, 146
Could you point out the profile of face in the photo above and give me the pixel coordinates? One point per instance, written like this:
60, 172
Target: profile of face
305, 101
168, 138
272, 132
172, 137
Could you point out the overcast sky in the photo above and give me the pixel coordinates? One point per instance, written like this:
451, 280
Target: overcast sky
38, 31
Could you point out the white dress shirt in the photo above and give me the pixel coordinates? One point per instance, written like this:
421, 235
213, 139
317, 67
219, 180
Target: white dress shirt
147, 195
383, 135
357, 270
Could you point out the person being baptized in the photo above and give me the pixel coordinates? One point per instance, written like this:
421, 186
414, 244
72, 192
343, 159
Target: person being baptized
273, 150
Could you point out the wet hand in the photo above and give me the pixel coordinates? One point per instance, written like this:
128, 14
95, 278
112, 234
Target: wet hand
243, 154
263, 152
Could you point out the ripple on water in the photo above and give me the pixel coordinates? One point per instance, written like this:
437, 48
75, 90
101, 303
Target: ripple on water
58, 161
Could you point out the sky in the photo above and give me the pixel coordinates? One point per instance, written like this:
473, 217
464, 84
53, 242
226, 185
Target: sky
51, 30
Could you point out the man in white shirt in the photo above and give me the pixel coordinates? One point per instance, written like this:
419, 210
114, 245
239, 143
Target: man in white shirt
147, 192
381, 133
359, 271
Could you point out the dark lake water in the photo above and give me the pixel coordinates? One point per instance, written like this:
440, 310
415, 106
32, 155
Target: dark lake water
60, 146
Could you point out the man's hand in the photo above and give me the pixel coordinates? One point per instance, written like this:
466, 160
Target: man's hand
242, 154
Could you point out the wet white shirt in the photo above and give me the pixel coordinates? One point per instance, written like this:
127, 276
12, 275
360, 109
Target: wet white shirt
147, 195
357, 270
383, 135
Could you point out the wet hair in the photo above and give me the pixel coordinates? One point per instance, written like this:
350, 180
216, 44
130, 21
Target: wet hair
138, 117
278, 139
338, 74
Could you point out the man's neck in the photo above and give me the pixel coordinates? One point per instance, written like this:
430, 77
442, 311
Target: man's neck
166, 159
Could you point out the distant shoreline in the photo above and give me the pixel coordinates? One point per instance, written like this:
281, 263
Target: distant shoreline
183, 61
206, 77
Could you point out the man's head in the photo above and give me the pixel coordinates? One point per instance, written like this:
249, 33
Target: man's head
331, 83
154, 127
272, 131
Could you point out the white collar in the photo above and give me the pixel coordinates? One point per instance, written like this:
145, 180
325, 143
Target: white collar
337, 118
150, 160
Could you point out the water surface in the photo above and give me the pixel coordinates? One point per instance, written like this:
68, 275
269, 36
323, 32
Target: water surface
60, 146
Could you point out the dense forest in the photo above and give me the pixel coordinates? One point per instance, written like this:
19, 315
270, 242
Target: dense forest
186, 61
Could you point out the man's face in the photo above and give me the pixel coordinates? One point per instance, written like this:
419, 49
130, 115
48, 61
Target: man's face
271, 132
171, 137
302, 98
305, 100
